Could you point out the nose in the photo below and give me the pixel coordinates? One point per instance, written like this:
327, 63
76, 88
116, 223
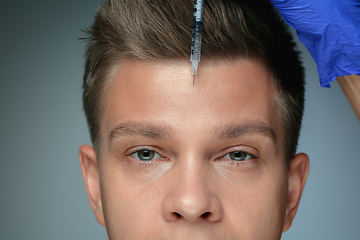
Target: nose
192, 195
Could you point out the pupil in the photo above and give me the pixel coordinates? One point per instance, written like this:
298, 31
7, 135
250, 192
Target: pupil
146, 153
237, 154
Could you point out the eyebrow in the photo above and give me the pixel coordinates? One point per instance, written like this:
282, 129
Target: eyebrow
142, 129
165, 132
236, 130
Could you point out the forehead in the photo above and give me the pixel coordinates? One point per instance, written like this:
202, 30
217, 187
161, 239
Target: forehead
162, 93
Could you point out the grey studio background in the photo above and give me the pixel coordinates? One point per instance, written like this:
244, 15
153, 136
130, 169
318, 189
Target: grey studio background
42, 126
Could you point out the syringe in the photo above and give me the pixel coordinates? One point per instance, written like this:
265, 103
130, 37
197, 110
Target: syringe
196, 36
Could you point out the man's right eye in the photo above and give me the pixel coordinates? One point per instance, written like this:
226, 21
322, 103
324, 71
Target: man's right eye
145, 155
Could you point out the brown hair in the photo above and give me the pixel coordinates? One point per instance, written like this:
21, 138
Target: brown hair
160, 29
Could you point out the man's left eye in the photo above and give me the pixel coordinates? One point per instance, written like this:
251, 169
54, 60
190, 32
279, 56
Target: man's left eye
146, 155
238, 156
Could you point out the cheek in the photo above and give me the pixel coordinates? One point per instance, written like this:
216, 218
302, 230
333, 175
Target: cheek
257, 207
128, 206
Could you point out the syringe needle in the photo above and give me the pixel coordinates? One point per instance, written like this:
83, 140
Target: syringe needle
194, 67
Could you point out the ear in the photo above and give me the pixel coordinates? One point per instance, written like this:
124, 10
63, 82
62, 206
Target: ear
90, 172
298, 172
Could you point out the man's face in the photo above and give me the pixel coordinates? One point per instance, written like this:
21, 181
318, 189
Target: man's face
180, 161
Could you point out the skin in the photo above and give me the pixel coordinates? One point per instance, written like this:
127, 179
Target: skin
192, 189
350, 85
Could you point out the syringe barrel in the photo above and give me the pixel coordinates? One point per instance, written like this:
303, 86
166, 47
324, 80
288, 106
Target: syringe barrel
196, 41
198, 10
197, 33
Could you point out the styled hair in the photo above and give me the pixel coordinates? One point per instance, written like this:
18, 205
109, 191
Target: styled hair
162, 29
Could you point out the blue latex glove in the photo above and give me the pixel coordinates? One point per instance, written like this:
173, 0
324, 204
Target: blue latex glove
330, 29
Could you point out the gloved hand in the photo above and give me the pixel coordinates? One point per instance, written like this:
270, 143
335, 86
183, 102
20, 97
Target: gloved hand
330, 29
